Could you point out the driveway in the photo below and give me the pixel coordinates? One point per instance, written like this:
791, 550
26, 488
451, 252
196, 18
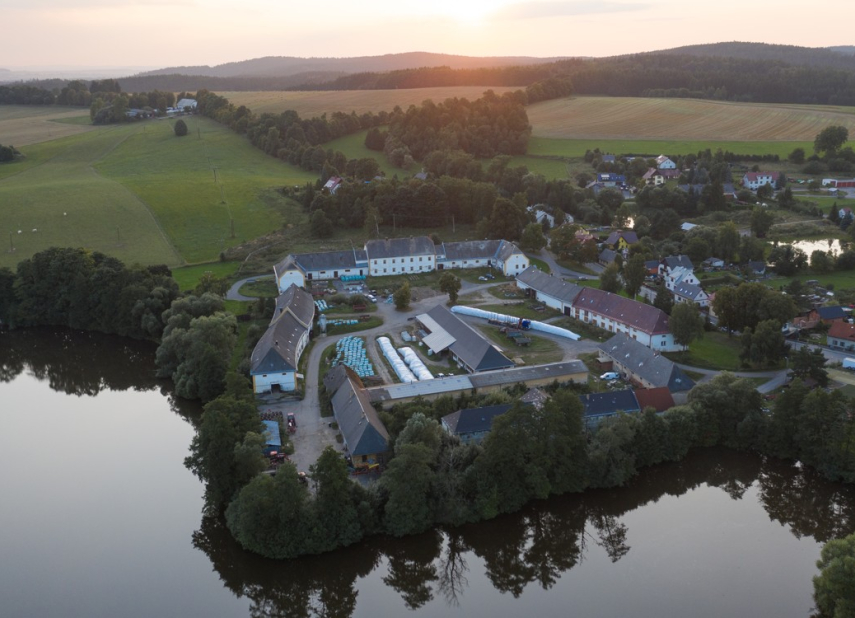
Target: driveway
234, 291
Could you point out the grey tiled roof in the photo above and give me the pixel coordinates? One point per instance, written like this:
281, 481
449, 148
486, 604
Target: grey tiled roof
645, 363
363, 431
276, 351
469, 345
549, 285
399, 247
473, 420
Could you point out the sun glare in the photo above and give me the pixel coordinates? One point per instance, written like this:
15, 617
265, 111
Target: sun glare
465, 11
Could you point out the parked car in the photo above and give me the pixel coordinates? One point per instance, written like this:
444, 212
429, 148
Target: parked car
610, 375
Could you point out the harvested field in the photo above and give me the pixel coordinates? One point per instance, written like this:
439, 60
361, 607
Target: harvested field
682, 119
309, 104
22, 125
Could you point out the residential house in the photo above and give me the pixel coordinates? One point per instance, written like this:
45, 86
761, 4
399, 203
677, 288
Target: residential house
668, 264
332, 184
398, 256
757, 268
186, 104
365, 437
828, 315
605, 310
664, 163
603, 405
713, 263
653, 177
275, 358
841, 336
473, 424
620, 240
467, 347
755, 180
652, 267
500, 254
298, 269
643, 366
690, 293
608, 158
839, 183
610, 180
606, 257
844, 212
541, 214
550, 290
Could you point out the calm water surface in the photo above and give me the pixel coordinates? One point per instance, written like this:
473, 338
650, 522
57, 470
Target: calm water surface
99, 517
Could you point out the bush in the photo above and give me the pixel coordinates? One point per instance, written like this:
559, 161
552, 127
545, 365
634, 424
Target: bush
815, 167
180, 128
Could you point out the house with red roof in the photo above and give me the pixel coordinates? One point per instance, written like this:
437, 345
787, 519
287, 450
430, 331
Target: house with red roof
755, 180
841, 336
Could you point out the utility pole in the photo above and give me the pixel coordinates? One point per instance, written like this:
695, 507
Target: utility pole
376, 227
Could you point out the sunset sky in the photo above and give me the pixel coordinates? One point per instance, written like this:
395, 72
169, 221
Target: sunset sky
155, 33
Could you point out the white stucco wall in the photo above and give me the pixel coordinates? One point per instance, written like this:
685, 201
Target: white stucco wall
262, 383
289, 277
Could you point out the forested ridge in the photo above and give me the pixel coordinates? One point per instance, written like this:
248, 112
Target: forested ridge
727, 71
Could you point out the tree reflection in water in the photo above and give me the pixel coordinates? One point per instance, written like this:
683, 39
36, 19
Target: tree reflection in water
535, 546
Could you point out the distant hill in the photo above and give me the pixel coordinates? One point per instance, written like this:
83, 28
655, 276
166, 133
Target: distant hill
844, 49
828, 58
281, 66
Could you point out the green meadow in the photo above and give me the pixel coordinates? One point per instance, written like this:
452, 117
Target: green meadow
143, 195
353, 147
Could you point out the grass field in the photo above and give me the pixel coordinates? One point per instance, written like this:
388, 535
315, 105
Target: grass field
628, 118
22, 125
188, 277
139, 193
315, 103
353, 147
539, 352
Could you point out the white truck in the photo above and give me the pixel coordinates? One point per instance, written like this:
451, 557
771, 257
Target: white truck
849, 363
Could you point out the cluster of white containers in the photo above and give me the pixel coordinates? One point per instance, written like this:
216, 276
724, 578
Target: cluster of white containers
416, 371
321, 305
510, 320
415, 363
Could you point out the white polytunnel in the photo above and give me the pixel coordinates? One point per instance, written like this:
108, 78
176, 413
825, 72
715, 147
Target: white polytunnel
510, 320
415, 363
404, 374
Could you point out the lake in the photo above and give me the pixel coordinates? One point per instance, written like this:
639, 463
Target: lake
99, 517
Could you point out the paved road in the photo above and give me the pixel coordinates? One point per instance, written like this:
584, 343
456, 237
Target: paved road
559, 270
234, 291
775, 378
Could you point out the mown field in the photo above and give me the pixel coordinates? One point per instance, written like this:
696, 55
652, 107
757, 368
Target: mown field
22, 125
143, 195
682, 119
312, 103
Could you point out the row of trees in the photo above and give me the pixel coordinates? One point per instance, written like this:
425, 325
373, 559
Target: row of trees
90, 291
529, 454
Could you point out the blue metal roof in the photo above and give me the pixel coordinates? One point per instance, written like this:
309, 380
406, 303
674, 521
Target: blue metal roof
271, 430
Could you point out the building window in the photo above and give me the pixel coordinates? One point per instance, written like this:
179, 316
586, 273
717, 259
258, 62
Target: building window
663, 342
384, 270
384, 261
420, 259
412, 259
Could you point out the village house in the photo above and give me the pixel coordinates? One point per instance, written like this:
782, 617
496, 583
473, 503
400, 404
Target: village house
500, 254
672, 262
398, 256
445, 332
755, 180
599, 406
841, 336
473, 424
364, 435
606, 257
332, 184
605, 310
690, 293
620, 240
643, 366
712, 263
664, 163
275, 358
839, 183
610, 180
653, 177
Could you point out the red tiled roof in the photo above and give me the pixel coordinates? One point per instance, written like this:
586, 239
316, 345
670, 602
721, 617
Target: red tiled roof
634, 314
842, 330
659, 398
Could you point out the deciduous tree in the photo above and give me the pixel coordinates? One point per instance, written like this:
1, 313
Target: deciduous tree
686, 324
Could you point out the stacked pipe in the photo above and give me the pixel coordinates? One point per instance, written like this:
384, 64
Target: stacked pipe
405, 375
415, 363
542, 327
